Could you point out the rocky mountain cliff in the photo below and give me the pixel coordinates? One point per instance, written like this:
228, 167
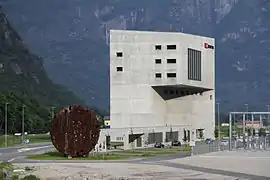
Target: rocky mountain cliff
22, 72
73, 38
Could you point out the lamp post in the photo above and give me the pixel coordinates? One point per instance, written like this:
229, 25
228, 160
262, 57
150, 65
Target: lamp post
23, 106
218, 126
52, 112
268, 109
6, 123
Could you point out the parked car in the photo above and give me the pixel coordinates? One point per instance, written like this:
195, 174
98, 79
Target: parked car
208, 140
176, 143
224, 142
159, 145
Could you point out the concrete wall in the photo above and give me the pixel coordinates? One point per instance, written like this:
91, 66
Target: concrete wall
134, 103
124, 133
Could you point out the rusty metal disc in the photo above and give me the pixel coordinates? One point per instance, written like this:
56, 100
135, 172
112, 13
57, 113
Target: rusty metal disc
75, 131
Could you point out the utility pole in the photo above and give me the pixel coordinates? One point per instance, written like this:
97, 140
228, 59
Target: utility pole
23, 106
6, 123
268, 109
246, 117
52, 112
218, 125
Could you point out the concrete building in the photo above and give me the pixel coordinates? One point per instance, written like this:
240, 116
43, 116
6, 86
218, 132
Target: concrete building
161, 85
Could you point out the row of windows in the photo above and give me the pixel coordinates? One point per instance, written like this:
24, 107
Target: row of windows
158, 75
169, 61
169, 47
181, 92
194, 65
169, 75
119, 138
157, 47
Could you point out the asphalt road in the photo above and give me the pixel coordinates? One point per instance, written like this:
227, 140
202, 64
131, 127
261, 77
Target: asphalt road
12, 153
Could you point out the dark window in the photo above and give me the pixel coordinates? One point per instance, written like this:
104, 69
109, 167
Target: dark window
158, 47
158, 61
119, 68
169, 47
194, 65
119, 54
158, 75
171, 61
171, 92
171, 75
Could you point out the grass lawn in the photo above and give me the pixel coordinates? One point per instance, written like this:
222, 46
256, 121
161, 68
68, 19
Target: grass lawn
116, 155
157, 151
15, 140
54, 155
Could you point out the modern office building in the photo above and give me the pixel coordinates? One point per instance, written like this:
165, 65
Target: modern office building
162, 80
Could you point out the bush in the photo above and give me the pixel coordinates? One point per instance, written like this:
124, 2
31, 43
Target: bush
216, 133
262, 132
31, 177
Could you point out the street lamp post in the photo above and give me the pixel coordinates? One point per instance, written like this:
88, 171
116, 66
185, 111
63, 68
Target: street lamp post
218, 125
52, 112
23, 123
268, 109
246, 118
6, 123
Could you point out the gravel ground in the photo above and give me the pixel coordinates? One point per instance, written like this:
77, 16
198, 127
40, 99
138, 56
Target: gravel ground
109, 171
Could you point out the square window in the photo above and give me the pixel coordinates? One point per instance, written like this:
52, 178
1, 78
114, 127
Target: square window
119, 68
169, 47
119, 54
171, 61
158, 75
171, 75
158, 47
158, 61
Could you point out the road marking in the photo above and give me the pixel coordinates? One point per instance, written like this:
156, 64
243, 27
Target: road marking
29, 149
10, 160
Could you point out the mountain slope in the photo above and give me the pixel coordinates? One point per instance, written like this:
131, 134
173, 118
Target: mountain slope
22, 72
74, 36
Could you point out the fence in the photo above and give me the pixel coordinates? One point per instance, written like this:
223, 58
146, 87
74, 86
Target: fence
247, 143
202, 147
252, 143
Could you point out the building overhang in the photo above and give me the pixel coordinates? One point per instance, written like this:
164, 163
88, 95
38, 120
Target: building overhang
175, 91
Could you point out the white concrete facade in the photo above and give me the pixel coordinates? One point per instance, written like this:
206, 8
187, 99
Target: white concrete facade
139, 99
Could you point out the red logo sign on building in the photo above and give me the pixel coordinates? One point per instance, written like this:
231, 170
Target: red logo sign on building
208, 46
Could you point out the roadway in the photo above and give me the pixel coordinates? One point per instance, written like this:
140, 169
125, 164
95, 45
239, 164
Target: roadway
12, 153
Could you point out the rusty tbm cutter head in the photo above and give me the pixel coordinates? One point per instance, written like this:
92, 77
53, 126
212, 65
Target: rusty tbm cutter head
75, 131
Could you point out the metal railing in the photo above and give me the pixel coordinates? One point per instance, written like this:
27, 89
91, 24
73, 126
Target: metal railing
247, 143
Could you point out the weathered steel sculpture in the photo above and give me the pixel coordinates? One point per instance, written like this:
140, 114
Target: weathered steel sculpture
75, 131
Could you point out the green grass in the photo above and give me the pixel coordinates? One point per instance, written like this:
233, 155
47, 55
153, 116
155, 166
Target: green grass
54, 155
116, 155
15, 140
157, 151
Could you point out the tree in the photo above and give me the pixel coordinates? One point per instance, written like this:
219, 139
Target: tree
249, 132
216, 133
262, 132
253, 132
